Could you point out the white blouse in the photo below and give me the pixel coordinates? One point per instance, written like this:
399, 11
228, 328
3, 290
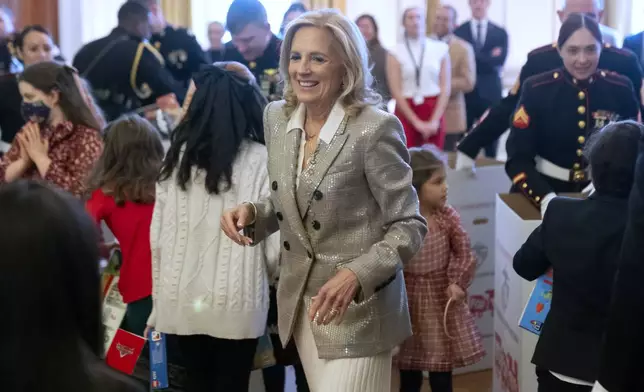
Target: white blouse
327, 132
433, 55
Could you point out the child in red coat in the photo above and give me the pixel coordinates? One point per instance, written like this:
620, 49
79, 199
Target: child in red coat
123, 192
445, 336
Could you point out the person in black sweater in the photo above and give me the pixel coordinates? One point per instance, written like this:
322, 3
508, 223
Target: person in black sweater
52, 330
621, 357
579, 239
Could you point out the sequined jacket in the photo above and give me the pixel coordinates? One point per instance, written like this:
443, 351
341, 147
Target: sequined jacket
354, 208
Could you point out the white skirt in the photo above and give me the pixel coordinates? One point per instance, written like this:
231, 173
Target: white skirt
371, 374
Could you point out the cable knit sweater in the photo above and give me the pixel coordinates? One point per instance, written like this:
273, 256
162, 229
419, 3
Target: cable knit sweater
203, 283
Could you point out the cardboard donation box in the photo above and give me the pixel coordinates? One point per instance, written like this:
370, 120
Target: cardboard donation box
474, 197
516, 218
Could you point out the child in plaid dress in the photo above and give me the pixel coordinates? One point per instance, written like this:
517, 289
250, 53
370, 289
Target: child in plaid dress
437, 279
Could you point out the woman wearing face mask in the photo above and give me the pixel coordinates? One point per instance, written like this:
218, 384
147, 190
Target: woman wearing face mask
33, 45
419, 77
559, 110
61, 141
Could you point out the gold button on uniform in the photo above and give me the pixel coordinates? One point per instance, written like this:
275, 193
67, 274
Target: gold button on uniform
555, 75
582, 95
524, 185
576, 166
582, 124
581, 139
537, 199
580, 153
581, 109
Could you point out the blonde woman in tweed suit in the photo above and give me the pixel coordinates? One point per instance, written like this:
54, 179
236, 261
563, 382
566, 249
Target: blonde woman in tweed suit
343, 200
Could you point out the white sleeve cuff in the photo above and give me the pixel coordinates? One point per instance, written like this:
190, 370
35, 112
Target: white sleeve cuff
545, 201
589, 190
463, 161
599, 388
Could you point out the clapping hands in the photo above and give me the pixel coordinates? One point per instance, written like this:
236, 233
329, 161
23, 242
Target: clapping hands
33, 147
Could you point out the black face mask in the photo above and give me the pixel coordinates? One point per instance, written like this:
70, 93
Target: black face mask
36, 112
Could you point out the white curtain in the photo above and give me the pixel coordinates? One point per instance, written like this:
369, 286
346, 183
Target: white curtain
178, 12
318, 4
618, 15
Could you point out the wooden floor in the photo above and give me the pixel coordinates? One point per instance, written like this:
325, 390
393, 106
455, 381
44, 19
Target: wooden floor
474, 382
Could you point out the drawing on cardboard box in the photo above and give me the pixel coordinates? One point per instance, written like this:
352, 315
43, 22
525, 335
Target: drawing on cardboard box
481, 252
505, 290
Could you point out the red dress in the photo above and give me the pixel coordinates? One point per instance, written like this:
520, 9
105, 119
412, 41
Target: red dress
424, 111
446, 258
130, 224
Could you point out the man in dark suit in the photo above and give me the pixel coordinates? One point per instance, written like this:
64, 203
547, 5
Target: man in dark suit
490, 43
635, 43
622, 358
579, 239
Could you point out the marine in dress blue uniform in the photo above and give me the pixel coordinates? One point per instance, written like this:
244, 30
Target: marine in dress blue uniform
182, 53
552, 123
540, 60
265, 68
125, 73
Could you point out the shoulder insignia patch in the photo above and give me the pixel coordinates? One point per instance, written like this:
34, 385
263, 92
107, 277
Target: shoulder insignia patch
521, 119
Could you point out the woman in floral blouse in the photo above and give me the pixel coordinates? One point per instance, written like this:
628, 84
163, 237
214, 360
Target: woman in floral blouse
61, 141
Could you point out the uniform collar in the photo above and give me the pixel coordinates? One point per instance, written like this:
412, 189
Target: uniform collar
272, 49
581, 83
330, 127
121, 32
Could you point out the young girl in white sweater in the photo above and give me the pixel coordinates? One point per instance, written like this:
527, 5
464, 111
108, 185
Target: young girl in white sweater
210, 292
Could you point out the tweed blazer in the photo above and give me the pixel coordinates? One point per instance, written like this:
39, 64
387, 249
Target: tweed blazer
355, 207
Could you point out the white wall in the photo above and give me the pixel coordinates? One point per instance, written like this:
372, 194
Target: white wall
530, 23
82, 21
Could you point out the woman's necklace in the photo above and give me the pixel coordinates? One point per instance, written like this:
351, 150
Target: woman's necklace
311, 145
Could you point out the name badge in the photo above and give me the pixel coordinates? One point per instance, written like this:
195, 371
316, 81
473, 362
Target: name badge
418, 99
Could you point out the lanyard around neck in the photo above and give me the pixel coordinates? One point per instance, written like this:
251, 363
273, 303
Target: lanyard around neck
417, 65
